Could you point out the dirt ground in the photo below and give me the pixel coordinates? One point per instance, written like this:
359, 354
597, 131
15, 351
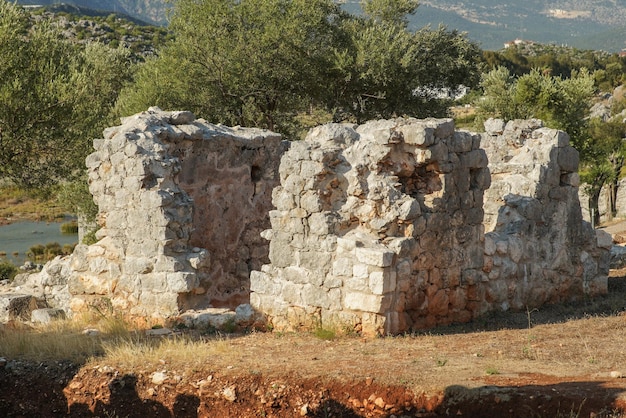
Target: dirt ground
559, 361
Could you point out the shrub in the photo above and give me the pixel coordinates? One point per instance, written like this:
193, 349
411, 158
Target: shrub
37, 250
69, 228
7, 270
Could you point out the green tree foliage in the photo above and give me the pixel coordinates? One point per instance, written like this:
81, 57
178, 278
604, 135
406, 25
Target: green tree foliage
604, 161
7, 270
250, 63
560, 103
264, 62
608, 69
54, 98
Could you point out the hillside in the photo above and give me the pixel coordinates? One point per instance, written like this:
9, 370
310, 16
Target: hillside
577, 23
152, 12
581, 24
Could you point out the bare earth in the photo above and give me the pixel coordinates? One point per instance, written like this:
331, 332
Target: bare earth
568, 363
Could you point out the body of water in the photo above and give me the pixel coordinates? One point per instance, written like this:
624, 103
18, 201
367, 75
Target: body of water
18, 237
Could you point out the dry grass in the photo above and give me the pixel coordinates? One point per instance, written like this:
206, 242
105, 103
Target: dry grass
583, 341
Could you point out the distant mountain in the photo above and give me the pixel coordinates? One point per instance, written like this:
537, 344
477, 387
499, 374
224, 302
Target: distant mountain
150, 11
589, 24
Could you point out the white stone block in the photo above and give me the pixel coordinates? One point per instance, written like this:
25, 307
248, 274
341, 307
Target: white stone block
363, 302
343, 267
382, 281
374, 256
181, 282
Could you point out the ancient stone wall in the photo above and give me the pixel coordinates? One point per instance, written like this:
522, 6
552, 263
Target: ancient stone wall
181, 207
379, 228
537, 247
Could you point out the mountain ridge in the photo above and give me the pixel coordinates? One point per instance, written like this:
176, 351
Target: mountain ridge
583, 24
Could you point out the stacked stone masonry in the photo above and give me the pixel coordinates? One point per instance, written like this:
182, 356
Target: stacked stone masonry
380, 228
182, 204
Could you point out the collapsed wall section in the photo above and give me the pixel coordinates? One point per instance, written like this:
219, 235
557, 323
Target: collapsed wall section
181, 204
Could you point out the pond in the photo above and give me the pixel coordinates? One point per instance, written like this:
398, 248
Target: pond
19, 237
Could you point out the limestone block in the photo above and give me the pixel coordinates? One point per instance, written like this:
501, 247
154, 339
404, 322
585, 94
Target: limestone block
598, 285
268, 304
438, 304
374, 325
374, 256
474, 159
568, 159
516, 248
15, 306
438, 152
93, 160
403, 247
294, 184
321, 223
358, 301
343, 267
604, 239
181, 282
181, 117
263, 283
208, 318
444, 128
296, 274
281, 254
310, 202
409, 210
553, 137
360, 270
382, 281
309, 169
283, 199
315, 296
415, 134
318, 261
333, 134
47, 315
333, 282
472, 277
461, 142
494, 126
292, 293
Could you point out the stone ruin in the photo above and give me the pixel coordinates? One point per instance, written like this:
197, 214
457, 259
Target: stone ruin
379, 228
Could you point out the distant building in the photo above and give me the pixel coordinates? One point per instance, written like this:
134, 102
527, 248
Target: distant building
517, 42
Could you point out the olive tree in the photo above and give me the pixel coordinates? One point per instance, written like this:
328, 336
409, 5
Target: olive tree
54, 98
266, 62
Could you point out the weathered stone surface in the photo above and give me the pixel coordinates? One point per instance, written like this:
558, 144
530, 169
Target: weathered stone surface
380, 228
47, 315
14, 306
534, 222
404, 199
388, 202
182, 204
